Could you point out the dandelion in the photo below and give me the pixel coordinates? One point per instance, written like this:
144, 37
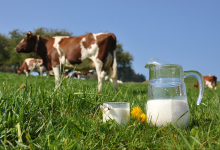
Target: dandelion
142, 118
22, 87
139, 115
136, 112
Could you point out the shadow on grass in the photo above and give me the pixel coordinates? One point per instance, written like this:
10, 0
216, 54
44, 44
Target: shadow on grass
194, 123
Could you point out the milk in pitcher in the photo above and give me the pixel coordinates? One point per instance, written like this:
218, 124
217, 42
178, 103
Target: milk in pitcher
163, 111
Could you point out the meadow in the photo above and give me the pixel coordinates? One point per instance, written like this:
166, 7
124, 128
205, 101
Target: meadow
34, 116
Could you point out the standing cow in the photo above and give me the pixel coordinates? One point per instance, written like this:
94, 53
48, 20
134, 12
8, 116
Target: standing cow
209, 81
32, 64
82, 53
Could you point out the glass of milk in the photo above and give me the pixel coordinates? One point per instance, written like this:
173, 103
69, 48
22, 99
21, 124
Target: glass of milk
120, 111
167, 100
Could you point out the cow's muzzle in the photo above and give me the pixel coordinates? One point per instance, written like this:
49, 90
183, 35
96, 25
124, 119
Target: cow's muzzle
17, 50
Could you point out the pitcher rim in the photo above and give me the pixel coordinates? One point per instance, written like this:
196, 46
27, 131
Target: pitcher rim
164, 65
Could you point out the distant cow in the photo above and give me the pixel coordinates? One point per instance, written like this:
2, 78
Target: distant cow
90, 75
110, 79
82, 53
66, 73
32, 64
209, 81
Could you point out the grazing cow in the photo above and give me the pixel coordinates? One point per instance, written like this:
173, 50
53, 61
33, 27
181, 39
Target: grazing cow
66, 73
110, 79
90, 75
209, 81
82, 53
32, 64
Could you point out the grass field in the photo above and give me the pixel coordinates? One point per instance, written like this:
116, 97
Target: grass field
34, 116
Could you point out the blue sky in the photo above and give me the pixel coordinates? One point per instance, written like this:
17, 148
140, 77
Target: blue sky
185, 32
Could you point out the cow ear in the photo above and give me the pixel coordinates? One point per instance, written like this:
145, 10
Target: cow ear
29, 35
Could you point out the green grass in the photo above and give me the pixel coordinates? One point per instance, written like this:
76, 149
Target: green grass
37, 117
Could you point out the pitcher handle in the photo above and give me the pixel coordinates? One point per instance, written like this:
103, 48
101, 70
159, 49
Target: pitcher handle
199, 78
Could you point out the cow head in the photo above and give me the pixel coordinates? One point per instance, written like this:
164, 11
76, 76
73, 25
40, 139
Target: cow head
28, 44
18, 72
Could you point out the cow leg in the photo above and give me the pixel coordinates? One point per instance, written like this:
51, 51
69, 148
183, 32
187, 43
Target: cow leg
100, 74
115, 84
47, 73
56, 71
26, 72
41, 70
214, 85
114, 80
78, 76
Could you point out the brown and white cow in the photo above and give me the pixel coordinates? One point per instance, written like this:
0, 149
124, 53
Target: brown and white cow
209, 81
90, 75
81, 53
31, 64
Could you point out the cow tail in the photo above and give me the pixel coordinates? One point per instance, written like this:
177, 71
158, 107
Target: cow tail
114, 67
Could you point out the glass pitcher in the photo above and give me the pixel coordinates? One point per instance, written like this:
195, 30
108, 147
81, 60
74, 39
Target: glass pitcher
167, 99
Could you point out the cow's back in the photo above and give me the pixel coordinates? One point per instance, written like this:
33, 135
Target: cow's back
84, 50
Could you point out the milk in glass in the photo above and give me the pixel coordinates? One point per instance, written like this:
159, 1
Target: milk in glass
163, 111
121, 115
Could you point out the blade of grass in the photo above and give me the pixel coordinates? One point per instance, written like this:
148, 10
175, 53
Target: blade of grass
30, 141
195, 140
208, 137
19, 133
184, 139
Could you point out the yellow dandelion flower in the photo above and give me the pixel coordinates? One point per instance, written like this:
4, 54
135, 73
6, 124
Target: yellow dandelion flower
142, 118
22, 87
136, 112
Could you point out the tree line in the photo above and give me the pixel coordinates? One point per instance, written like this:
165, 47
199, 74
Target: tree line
11, 60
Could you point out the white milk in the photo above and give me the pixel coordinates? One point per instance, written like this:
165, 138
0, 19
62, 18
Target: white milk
121, 115
163, 111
